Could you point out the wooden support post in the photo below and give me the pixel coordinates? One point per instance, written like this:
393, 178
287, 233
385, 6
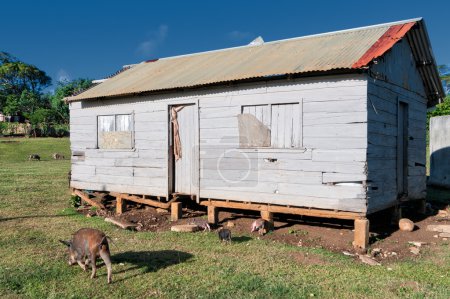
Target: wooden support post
268, 216
176, 211
213, 215
120, 205
361, 235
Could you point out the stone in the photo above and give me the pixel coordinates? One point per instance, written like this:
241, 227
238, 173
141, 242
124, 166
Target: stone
368, 260
161, 211
443, 213
230, 224
184, 228
406, 225
416, 243
414, 250
441, 228
444, 235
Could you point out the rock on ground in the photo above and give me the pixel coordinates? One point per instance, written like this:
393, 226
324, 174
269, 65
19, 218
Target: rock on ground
406, 225
184, 228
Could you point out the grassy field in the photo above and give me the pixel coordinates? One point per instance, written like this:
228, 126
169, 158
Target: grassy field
35, 213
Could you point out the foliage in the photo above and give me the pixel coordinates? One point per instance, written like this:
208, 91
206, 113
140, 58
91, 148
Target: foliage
440, 110
65, 89
17, 76
75, 201
21, 94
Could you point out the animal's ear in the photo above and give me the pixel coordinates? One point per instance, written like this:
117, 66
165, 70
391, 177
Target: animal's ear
67, 243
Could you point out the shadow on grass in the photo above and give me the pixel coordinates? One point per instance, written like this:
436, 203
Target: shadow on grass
240, 239
149, 261
32, 216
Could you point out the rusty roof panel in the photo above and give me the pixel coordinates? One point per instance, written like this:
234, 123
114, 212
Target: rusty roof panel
323, 52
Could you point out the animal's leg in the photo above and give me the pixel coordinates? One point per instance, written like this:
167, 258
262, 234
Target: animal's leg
106, 258
83, 266
94, 267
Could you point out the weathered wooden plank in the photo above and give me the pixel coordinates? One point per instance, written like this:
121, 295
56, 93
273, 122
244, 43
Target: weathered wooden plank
345, 155
219, 112
85, 197
223, 122
342, 204
335, 131
333, 177
83, 169
149, 172
249, 177
285, 188
207, 133
300, 165
148, 190
149, 181
334, 106
141, 126
133, 162
260, 153
334, 143
114, 171
324, 118
280, 209
382, 140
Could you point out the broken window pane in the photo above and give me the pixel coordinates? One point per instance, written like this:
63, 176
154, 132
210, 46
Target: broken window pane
114, 132
276, 126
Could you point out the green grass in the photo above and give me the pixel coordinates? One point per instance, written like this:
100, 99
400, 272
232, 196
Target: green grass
35, 213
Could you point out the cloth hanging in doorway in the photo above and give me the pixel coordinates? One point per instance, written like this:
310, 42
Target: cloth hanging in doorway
176, 131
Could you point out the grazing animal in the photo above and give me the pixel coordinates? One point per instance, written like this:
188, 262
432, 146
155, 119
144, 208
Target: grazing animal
57, 156
261, 226
34, 157
201, 223
86, 246
225, 235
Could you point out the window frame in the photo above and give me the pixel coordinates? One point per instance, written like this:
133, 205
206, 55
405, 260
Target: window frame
300, 147
132, 131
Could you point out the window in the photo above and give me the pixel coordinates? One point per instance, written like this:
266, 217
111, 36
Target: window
273, 126
115, 132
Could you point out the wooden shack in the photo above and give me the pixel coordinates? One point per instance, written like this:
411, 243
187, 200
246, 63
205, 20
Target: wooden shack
328, 125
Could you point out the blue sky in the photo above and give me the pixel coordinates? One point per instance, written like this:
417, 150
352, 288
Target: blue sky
92, 39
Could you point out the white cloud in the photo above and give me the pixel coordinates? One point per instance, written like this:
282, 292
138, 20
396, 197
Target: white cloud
237, 35
155, 39
62, 76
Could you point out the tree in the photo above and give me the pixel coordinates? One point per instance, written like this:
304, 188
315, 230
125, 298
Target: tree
66, 89
24, 104
17, 76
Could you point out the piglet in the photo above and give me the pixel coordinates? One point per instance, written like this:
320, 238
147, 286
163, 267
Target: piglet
261, 226
225, 235
201, 223
86, 246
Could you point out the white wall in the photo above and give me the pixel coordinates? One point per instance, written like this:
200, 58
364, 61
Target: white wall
334, 142
395, 78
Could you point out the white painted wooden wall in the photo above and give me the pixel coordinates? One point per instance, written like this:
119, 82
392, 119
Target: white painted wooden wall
333, 134
401, 82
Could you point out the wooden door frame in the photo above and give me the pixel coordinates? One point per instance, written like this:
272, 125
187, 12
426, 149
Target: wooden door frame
170, 157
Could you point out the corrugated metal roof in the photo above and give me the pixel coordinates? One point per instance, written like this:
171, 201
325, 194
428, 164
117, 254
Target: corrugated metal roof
316, 53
